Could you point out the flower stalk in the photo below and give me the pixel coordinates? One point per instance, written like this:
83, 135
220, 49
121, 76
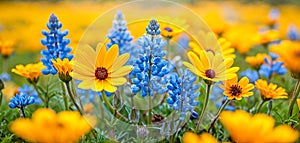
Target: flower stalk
294, 98
65, 98
111, 108
204, 107
72, 97
260, 105
218, 114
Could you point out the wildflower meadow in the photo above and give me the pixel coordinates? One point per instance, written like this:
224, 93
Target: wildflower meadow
149, 71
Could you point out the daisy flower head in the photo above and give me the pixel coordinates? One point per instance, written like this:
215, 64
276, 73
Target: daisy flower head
289, 53
64, 68
101, 69
194, 138
63, 127
210, 66
258, 128
6, 48
31, 72
270, 90
235, 89
257, 60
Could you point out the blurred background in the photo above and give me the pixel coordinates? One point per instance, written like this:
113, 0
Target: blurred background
21, 22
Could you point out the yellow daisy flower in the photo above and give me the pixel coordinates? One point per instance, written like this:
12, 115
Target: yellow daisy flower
270, 91
31, 72
194, 138
267, 37
256, 129
235, 89
289, 53
168, 30
6, 48
210, 66
257, 60
48, 127
241, 37
100, 70
64, 68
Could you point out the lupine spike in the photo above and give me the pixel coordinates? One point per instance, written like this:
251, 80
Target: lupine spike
56, 45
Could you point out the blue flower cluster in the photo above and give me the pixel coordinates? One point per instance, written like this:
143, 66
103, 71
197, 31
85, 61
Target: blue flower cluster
20, 100
56, 45
150, 68
5, 76
183, 93
120, 35
30, 91
250, 74
272, 67
293, 33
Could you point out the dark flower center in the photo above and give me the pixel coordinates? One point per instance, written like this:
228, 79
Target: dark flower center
101, 73
168, 29
235, 90
298, 53
210, 73
209, 50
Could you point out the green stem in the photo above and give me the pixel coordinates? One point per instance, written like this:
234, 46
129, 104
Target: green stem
294, 97
218, 114
23, 112
150, 111
65, 96
40, 94
1, 96
72, 97
111, 108
260, 105
269, 107
204, 107
5, 65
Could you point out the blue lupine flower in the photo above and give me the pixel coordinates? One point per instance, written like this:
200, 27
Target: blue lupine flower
30, 91
56, 45
252, 75
150, 68
120, 35
183, 93
5, 76
293, 33
218, 97
274, 14
272, 66
20, 100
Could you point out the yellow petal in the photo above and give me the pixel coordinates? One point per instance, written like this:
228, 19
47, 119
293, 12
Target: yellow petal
87, 84
99, 85
119, 62
110, 57
117, 81
109, 87
121, 72
101, 55
195, 61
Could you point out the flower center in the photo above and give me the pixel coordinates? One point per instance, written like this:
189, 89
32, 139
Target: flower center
235, 90
298, 53
168, 29
209, 50
210, 73
101, 73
